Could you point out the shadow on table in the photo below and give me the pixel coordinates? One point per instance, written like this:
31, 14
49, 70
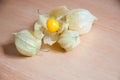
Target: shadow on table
10, 50
118, 1
56, 48
1, 1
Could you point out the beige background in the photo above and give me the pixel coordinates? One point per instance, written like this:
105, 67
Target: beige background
96, 58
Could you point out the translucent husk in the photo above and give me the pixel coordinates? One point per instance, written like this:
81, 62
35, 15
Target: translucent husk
26, 43
80, 20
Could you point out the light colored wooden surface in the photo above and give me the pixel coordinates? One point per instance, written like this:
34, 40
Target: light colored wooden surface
96, 58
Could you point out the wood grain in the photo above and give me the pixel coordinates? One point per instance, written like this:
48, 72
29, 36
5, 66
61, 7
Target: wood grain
96, 58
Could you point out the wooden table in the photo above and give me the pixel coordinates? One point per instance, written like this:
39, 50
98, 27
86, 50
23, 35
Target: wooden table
96, 58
